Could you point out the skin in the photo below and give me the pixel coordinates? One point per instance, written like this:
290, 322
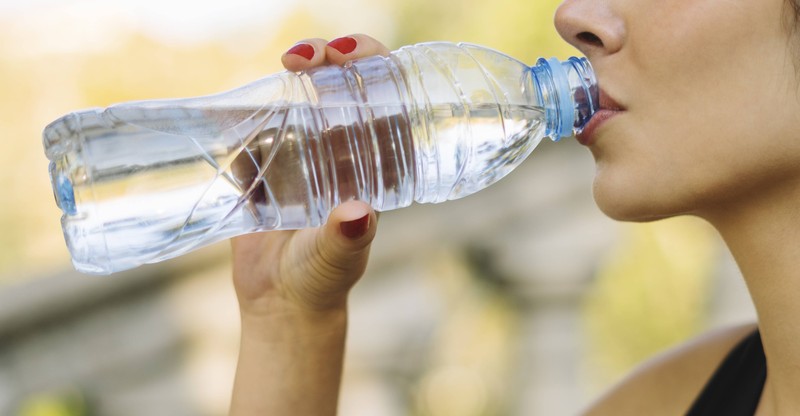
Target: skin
709, 127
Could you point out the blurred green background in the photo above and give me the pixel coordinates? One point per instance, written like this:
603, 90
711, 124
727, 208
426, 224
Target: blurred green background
481, 333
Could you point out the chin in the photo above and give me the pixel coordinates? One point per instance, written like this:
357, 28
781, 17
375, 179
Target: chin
632, 204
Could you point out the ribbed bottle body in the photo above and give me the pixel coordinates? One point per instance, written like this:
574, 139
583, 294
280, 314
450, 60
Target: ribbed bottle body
145, 181
475, 114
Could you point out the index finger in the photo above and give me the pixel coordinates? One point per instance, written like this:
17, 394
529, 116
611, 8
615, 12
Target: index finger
305, 54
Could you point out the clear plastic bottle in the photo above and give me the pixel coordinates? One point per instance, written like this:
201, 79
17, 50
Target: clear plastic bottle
145, 181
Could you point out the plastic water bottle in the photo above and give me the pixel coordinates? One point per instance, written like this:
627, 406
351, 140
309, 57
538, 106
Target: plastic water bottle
142, 182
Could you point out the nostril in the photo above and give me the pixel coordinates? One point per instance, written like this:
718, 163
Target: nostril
590, 39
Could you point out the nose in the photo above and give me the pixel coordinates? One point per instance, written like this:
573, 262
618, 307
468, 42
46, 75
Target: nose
591, 26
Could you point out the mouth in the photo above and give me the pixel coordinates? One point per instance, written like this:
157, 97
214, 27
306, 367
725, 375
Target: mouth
609, 108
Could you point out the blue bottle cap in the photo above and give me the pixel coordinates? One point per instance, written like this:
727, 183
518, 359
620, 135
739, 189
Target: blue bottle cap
565, 106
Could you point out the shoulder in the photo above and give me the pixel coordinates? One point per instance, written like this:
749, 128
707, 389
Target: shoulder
669, 383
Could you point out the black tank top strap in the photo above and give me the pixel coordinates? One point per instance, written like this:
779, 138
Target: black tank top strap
736, 386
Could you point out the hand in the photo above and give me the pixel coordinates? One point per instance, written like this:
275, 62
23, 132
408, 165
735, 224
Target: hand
304, 271
308, 270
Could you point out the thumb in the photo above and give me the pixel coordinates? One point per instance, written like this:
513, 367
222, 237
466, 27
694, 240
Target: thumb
337, 256
344, 241
350, 226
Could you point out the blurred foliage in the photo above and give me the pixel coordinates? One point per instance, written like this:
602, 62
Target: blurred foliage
67, 403
521, 28
650, 294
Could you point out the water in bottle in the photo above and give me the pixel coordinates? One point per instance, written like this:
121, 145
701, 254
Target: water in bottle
141, 182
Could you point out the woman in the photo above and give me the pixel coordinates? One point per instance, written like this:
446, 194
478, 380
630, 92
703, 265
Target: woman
701, 116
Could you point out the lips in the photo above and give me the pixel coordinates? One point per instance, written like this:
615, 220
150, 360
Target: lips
608, 109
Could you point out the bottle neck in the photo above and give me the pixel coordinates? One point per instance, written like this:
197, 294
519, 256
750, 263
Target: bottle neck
568, 92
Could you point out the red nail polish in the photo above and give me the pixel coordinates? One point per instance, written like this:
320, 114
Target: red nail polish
344, 45
302, 49
355, 228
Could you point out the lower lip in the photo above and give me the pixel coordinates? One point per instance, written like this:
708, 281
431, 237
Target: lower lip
587, 136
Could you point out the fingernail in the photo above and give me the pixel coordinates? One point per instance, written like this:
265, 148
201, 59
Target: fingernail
302, 49
356, 228
344, 45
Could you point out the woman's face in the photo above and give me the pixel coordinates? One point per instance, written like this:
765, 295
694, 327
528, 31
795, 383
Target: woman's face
710, 99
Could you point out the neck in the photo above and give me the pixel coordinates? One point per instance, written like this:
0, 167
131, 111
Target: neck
763, 233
